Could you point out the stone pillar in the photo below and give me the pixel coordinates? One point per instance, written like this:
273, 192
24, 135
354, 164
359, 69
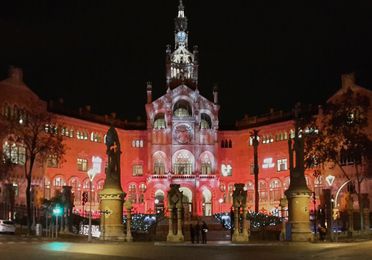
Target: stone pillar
179, 222
175, 202
112, 203
245, 222
128, 207
298, 194
283, 204
236, 221
170, 231
239, 203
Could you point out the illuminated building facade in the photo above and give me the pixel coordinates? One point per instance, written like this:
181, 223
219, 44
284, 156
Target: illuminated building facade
180, 143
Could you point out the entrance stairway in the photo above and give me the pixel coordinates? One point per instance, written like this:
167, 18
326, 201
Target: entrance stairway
216, 232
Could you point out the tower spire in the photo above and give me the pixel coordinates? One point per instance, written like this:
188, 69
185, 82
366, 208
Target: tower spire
181, 64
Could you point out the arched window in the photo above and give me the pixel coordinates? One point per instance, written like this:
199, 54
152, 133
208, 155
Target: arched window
250, 192
275, 190
75, 188
159, 121
182, 109
159, 163
142, 190
97, 163
206, 163
183, 162
205, 121
132, 193
230, 143
262, 189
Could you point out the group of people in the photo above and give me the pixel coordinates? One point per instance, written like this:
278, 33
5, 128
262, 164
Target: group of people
196, 230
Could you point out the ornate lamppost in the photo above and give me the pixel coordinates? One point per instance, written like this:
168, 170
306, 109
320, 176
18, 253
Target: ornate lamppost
255, 142
91, 174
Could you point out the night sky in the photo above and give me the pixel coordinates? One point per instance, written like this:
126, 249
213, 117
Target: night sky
261, 54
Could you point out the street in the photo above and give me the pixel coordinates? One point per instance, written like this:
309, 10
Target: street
98, 250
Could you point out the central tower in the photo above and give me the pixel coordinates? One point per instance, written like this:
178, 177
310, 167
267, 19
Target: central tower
181, 64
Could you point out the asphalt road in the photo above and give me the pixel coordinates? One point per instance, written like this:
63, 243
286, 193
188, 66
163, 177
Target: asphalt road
69, 250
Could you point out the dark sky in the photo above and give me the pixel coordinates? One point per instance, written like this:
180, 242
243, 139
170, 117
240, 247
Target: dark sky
262, 54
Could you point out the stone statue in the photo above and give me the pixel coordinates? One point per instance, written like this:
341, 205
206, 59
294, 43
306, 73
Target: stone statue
113, 153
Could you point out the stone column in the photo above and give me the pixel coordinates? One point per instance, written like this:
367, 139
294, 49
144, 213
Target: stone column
170, 231
245, 223
179, 222
128, 207
236, 221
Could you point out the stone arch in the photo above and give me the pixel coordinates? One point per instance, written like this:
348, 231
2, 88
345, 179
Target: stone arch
159, 201
205, 121
159, 121
187, 199
275, 189
183, 162
182, 108
207, 162
159, 159
207, 202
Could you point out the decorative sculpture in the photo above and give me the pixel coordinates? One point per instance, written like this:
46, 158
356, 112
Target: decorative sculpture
241, 232
175, 203
298, 194
112, 195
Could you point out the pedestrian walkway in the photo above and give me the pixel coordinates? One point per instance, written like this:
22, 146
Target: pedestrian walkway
221, 243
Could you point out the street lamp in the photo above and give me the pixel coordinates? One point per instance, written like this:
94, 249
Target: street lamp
91, 174
57, 212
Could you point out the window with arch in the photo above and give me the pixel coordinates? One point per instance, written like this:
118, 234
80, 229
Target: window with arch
58, 182
159, 121
97, 164
205, 121
137, 169
159, 163
183, 162
75, 188
142, 190
132, 193
286, 183
137, 143
182, 108
206, 163
275, 190
250, 192
47, 189
15, 152
262, 190
82, 164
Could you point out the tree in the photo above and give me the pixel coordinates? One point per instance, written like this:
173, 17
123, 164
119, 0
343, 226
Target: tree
37, 133
338, 137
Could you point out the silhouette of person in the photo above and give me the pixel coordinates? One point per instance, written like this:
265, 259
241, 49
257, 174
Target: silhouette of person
204, 230
197, 232
192, 233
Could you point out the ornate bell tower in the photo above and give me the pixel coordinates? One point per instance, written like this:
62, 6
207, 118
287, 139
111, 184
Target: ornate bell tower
181, 64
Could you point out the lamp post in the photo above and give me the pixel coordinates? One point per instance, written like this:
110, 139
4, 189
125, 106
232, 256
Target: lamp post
91, 174
255, 143
56, 211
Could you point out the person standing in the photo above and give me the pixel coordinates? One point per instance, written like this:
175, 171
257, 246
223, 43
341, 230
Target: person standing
197, 232
204, 230
192, 233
